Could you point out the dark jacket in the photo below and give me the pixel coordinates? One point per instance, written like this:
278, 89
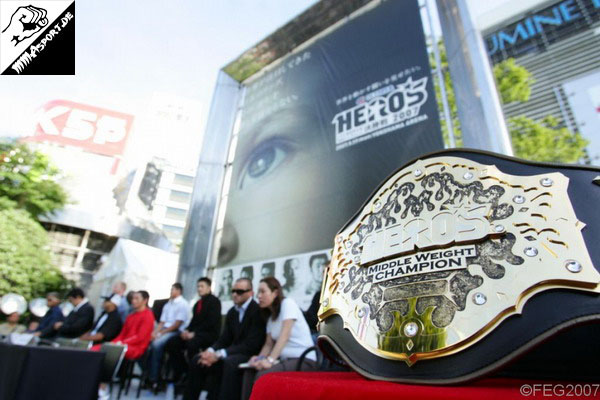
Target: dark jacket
78, 322
157, 308
46, 327
206, 324
311, 314
245, 338
111, 327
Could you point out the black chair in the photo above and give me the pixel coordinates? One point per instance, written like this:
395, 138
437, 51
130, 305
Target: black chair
114, 354
305, 353
323, 363
113, 357
128, 374
157, 308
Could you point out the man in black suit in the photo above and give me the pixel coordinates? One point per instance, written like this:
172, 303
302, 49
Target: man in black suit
202, 331
80, 320
216, 368
108, 325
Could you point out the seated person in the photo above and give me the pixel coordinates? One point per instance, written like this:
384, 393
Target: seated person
80, 320
173, 318
128, 305
119, 289
12, 325
311, 314
137, 330
203, 330
288, 336
108, 325
216, 368
33, 323
135, 334
54, 314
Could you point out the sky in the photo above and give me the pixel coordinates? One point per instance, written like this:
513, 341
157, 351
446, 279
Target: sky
127, 50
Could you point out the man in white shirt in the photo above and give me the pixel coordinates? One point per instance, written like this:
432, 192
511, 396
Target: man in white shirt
173, 319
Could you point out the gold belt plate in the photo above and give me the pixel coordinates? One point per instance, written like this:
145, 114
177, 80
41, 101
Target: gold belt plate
446, 250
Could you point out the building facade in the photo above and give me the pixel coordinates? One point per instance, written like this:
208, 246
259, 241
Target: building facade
105, 156
559, 43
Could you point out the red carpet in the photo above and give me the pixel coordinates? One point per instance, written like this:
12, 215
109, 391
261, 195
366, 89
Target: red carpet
350, 385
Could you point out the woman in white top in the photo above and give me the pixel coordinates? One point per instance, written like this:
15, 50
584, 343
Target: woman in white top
288, 336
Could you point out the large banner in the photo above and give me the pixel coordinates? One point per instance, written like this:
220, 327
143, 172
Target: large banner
300, 276
320, 130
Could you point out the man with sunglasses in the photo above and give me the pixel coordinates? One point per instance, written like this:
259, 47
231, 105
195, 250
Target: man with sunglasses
216, 368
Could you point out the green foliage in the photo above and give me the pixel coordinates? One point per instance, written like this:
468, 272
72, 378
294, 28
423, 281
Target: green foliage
28, 178
28, 189
545, 140
25, 266
451, 98
7, 204
513, 81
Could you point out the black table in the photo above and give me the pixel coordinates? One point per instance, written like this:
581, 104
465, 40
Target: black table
46, 373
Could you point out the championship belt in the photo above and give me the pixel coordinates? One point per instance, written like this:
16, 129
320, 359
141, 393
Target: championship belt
463, 261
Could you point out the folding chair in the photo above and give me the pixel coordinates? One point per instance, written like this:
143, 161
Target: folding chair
128, 373
113, 357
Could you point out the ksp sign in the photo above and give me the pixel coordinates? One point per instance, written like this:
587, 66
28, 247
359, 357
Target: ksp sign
95, 129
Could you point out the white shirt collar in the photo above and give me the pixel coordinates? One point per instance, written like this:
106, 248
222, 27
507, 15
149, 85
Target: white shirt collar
176, 299
244, 306
78, 306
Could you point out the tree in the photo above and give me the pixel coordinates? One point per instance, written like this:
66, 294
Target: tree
543, 140
29, 179
25, 260
513, 81
451, 98
28, 189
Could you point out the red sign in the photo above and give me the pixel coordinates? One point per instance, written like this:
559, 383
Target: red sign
95, 129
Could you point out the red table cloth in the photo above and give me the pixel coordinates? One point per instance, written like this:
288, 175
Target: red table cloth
350, 385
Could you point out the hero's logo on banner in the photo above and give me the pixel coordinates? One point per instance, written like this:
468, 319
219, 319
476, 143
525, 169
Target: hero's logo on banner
95, 129
37, 38
393, 107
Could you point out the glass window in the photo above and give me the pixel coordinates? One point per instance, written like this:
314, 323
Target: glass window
183, 180
100, 242
90, 261
66, 235
176, 213
64, 258
173, 231
180, 197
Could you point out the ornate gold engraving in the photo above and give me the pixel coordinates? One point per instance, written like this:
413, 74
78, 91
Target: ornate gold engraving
446, 250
